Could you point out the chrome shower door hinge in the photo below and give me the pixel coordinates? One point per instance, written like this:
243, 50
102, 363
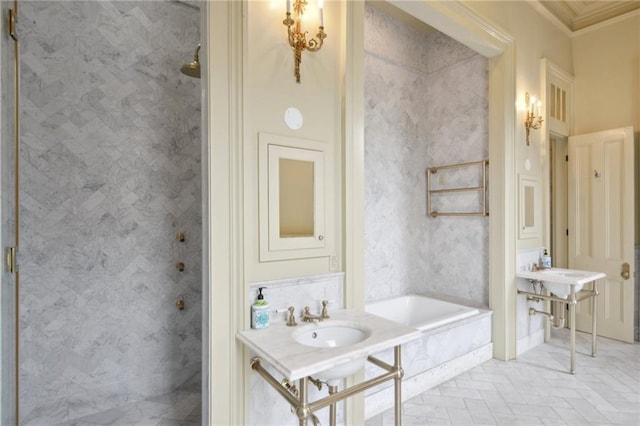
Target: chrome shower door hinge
11, 261
12, 25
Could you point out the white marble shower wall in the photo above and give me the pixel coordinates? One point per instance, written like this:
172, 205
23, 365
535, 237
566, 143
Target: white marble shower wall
110, 173
426, 105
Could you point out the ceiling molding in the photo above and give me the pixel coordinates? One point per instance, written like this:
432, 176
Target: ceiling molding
577, 15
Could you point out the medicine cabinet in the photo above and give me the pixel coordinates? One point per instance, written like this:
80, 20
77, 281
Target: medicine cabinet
293, 180
528, 215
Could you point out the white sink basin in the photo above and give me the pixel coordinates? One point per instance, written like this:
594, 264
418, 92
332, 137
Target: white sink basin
559, 281
561, 290
334, 335
330, 336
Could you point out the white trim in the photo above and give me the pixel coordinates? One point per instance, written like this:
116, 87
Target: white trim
353, 193
206, 177
223, 73
458, 22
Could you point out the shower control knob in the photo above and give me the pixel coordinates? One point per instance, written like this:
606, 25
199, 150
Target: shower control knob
181, 237
180, 266
180, 304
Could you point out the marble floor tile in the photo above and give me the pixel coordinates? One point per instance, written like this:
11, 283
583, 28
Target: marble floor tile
536, 389
179, 408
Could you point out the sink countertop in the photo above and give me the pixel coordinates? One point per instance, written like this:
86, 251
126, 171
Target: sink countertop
574, 276
277, 347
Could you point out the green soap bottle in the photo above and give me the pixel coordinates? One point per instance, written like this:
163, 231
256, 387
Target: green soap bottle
260, 312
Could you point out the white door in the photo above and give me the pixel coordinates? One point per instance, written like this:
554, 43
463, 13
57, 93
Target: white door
601, 227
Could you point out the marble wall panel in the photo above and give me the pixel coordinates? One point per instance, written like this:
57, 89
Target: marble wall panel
110, 173
426, 105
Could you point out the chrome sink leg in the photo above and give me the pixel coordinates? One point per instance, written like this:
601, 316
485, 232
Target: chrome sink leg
332, 407
397, 384
572, 327
594, 319
302, 410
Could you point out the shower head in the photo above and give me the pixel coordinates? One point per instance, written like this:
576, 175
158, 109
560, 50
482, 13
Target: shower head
192, 69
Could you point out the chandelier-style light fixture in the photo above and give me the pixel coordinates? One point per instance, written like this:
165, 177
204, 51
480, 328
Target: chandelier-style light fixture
297, 37
532, 120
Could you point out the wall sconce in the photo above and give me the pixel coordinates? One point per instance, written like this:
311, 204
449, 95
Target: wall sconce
532, 121
298, 38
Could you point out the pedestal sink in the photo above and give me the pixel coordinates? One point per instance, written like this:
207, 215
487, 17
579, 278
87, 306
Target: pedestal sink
333, 335
559, 280
329, 350
564, 284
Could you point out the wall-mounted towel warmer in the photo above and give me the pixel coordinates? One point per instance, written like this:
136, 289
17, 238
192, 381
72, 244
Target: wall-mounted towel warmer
482, 209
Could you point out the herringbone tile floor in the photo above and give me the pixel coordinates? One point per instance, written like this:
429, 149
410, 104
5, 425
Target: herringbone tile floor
536, 389
180, 408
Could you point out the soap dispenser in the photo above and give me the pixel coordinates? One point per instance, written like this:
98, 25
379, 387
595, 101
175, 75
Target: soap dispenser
260, 311
546, 259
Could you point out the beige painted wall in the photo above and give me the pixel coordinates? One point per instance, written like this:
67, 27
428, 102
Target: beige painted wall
270, 88
536, 38
606, 77
607, 83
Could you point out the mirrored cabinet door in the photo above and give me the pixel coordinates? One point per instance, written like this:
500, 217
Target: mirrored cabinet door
529, 213
292, 175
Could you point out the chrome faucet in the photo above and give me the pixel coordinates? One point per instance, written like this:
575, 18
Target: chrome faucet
307, 316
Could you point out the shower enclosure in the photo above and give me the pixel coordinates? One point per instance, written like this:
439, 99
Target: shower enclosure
110, 197
9, 139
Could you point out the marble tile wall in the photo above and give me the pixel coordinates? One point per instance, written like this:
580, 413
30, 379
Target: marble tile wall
426, 104
110, 173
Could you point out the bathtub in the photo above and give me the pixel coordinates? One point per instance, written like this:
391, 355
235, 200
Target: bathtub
422, 312
455, 338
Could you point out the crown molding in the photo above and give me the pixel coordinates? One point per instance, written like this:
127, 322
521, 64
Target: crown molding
603, 24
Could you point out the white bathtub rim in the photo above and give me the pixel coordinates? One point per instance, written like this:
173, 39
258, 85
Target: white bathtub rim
482, 311
439, 296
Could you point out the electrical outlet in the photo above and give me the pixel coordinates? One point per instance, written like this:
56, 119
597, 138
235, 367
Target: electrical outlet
333, 263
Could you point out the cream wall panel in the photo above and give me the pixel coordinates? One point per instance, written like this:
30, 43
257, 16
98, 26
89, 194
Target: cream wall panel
270, 88
606, 77
607, 86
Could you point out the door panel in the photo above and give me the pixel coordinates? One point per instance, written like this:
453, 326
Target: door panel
601, 227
